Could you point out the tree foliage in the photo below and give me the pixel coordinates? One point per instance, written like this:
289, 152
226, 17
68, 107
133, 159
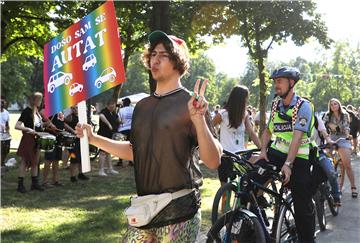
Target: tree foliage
27, 25
338, 77
263, 23
15, 84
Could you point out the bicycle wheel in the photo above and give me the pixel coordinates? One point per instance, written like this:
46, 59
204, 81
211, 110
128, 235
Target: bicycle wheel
286, 228
226, 192
320, 210
333, 208
244, 228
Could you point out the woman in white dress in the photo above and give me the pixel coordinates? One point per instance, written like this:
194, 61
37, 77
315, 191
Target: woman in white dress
234, 121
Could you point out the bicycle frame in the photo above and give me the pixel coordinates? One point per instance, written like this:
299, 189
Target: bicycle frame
236, 181
279, 201
249, 193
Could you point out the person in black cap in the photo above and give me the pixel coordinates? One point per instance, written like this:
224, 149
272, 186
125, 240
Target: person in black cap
166, 129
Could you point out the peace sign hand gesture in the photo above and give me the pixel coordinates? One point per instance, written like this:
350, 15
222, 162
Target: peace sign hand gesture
198, 105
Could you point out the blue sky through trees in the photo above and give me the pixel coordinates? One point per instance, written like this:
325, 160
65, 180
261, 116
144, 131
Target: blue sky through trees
341, 17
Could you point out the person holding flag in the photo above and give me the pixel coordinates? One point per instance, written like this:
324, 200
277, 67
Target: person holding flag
166, 129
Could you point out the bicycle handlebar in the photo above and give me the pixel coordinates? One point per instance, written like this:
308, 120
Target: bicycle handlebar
261, 170
247, 151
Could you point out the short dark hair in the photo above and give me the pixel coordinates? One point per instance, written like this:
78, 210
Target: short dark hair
126, 101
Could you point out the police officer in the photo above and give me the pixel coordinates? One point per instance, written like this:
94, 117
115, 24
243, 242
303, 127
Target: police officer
291, 124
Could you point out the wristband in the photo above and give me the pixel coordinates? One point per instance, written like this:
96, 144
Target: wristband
289, 164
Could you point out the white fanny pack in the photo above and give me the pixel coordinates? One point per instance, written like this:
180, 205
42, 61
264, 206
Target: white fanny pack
143, 209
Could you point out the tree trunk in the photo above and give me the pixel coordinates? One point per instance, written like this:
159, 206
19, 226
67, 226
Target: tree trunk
160, 21
262, 105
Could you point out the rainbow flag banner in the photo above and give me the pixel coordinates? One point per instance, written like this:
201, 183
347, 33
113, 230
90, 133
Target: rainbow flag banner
83, 61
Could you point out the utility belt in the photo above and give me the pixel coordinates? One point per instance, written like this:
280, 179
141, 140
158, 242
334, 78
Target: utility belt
283, 146
144, 209
303, 141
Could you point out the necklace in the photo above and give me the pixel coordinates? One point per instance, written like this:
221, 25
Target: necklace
169, 93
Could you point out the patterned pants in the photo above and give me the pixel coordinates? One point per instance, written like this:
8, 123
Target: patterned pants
186, 231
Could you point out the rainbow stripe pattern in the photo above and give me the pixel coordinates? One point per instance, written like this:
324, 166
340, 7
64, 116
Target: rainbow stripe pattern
83, 61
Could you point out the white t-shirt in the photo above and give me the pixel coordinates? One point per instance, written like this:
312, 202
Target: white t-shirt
125, 115
257, 117
231, 139
321, 127
4, 118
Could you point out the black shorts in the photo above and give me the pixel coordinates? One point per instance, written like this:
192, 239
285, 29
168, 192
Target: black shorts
354, 131
54, 155
75, 155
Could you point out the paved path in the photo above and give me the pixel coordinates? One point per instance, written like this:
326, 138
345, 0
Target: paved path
344, 228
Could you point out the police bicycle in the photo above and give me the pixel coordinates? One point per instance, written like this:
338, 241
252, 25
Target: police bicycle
224, 197
246, 222
323, 198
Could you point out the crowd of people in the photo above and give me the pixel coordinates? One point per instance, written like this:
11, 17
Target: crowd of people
55, 136
161, 134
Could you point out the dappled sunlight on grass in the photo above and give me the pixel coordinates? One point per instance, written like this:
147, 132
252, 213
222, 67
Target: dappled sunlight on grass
90, 211
41, 223
87, 211
208, 190
19, 217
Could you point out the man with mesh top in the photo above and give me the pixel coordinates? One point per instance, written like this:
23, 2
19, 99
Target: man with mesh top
166, 129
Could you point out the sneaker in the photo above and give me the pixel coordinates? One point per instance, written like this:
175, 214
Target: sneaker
112, 171
102, 173
81, 176
73, 179
337, 201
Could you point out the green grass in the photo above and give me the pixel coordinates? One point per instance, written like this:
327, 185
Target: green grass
90, 211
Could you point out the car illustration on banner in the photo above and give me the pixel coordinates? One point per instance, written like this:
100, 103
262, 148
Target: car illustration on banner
58, 79
108, 74
75, 87
90, 61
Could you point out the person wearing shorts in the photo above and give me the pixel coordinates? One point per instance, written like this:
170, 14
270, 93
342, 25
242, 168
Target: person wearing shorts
337, 121
166, 129
75, 154
108, 121
52, 158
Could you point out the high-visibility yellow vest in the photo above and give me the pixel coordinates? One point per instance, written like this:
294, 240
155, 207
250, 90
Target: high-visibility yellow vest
282, 128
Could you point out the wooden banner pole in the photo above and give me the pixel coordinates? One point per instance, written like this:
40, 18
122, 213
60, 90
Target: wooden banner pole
84, 142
